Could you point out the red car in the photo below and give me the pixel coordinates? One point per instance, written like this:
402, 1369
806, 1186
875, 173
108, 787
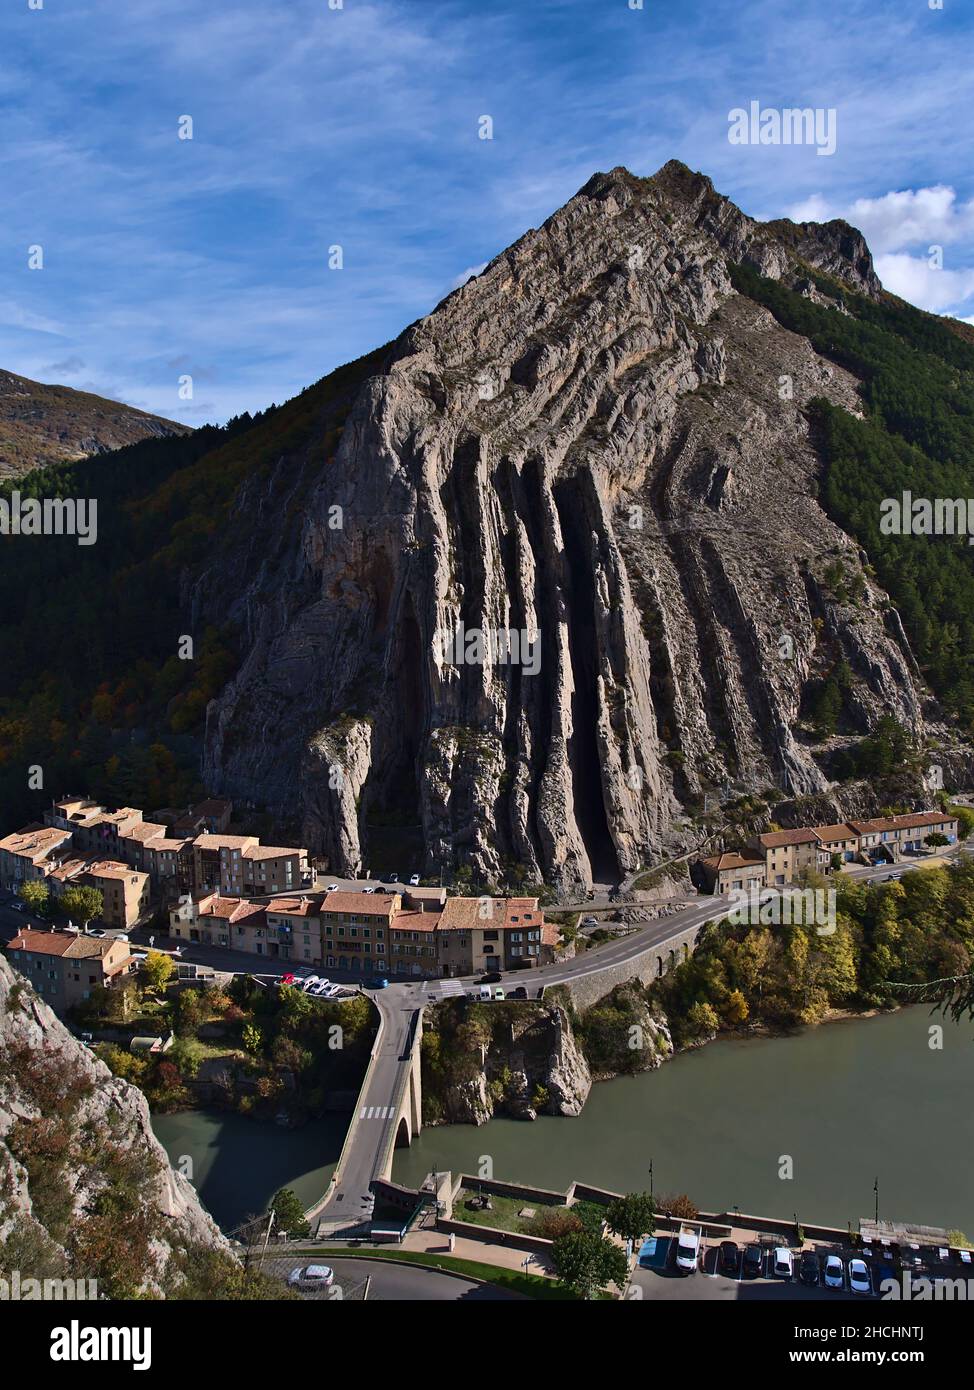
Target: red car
288, 979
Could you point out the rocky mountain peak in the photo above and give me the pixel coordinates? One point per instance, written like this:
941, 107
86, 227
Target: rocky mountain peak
585, 446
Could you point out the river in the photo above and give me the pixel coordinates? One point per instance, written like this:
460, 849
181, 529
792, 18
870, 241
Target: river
845, 1103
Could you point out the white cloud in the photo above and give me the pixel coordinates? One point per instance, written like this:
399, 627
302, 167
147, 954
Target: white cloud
468, 274
909, 217
913, 278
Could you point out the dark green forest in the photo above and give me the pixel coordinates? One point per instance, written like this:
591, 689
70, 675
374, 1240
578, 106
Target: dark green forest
918, 436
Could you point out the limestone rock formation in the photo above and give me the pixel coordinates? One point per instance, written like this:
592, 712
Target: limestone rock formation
75, 1144
598, 446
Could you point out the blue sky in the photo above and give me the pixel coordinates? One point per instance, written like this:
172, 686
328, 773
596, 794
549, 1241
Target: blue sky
358, 126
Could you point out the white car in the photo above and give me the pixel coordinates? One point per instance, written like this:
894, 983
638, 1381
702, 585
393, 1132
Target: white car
687, 1250
331, 888
783, 1263
833, 1276
414, 880
320, 987
368, 890
311, 1277
310, 980
859, 1281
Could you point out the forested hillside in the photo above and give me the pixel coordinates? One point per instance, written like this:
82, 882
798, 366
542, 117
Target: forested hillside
93, 690
918, 436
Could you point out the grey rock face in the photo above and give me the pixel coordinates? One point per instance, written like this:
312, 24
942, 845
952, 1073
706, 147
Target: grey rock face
108, 1107
599, 444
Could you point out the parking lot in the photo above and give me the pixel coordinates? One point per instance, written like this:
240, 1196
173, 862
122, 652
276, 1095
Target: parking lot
721, 1274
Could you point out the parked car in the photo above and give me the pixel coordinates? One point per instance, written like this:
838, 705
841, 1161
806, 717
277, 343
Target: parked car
590, 921
311, 1277
498, 993
730, 1257
332, 888
783, 1263
288, 979
308, 984
519, 993
808, 1270
96, 931
753, 1261
833, 1276
368, 890
414, 880
883, 1270
391, 878
492, 977
859, 1281
378, 982
687, 1250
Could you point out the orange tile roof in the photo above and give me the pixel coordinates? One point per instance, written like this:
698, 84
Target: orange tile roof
844, 831
34, 841
775, 838
271, 852
145, 830
225, 841
369, 904
729, 860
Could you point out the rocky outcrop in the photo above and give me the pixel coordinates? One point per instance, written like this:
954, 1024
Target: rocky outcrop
597, 446
533, 1059
75, 1143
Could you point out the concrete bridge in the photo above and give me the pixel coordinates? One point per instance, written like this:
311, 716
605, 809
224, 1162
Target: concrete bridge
388, 1113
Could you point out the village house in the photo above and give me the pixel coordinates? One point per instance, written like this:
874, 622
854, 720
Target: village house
124, 890
730, 872
218, 863
787, 854
213, 920
356, 929
169, 864
64, 967
30, 853
269, 869
488, 934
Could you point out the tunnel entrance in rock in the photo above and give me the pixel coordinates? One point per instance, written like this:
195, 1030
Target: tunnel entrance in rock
578, 584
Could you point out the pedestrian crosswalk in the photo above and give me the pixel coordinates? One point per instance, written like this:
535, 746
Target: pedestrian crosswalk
446, 988
376, 1112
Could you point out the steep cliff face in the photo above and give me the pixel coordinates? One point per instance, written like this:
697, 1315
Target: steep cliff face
86, 1190
598, 445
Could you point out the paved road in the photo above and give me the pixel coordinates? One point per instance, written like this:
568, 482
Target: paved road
408, 1283
371, 1133
388, 1281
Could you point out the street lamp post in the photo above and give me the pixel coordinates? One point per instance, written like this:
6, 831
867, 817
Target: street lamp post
651, 1180
876, 1191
